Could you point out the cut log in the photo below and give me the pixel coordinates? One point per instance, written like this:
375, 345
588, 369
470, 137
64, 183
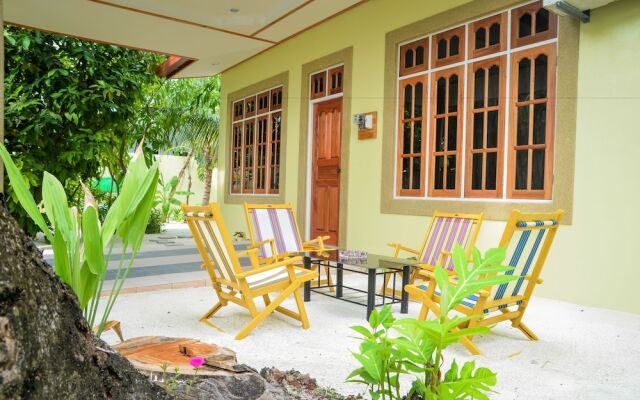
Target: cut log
47, 349
148, 353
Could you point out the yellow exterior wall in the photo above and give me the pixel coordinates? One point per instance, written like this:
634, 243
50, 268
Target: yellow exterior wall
605, 183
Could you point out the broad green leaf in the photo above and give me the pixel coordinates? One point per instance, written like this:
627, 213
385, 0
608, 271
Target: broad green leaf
57, 208
88, 283
23, 194
61, 263
442, 279
371, 365
374, 319
469, 384
140, 217
92, 241
460, 263
362, 330
124, 204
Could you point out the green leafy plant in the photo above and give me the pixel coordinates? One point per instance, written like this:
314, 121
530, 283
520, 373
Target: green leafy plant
166, 197
169, 384
79, 240
69, 104
155, 222
391, 347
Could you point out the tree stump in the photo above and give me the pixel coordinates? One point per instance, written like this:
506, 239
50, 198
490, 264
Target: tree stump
47, 349
148, 353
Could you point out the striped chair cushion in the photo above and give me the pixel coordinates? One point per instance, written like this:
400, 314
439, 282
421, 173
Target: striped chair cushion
270, 277
445, 233
214, 245
522, 254
277, 224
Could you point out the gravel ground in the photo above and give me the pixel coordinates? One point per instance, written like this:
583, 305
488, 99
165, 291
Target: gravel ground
583, 353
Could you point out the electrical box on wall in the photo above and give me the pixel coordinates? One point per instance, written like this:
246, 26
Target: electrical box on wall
367, 125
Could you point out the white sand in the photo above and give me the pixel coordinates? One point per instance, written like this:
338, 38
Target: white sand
584, 353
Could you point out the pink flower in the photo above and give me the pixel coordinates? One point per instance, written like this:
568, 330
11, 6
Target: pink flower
196, 362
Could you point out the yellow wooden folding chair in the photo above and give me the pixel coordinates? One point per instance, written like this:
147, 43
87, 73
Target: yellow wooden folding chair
273, 230
233, 284
527, 239
445, 230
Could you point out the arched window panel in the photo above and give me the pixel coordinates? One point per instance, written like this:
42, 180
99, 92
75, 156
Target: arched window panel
250, 107
486, 90
335, 80
450, 47
488, 35
414, 57
531, 130
263, 102
319, 85
411, 145
532, 23
276, 98
238, 110
446, 133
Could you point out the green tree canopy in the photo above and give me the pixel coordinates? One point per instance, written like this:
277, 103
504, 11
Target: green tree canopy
66, 103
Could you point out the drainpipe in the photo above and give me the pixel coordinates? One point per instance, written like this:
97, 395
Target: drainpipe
2, 96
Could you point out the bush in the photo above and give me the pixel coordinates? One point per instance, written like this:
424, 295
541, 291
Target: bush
155, 222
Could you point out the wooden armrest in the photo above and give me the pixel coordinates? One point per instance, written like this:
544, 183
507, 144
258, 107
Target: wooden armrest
319, 240
272, 244
252, 253
397, 247
529, 278
284, 263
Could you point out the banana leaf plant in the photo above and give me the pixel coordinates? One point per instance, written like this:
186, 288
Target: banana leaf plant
392, 348
166, 196
82, 248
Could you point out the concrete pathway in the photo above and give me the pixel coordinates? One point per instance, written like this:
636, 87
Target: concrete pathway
167, 260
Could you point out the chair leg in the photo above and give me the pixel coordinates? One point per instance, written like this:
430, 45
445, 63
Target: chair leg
301, 309
216, 307
258, 317
517, 323
266, 299
329, 281
424, 311
209, 314
473, 349
527, 332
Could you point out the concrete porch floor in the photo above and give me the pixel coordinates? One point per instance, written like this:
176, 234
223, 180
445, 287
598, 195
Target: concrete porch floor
583, 353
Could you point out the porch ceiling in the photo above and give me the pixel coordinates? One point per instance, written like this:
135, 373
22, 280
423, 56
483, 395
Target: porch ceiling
207, 31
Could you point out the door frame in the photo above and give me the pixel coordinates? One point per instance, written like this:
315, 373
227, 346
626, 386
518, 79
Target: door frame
342, 57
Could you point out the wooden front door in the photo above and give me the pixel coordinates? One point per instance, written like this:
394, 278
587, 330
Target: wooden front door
325, 184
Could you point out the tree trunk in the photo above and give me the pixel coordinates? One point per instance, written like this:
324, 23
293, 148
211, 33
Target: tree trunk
47, 350
208, 172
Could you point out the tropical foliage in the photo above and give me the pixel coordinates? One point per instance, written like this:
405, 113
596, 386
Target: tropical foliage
166, 197
392, 348
80, 241
67, 102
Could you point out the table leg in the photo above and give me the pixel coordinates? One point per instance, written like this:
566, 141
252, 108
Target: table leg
404, 305
339, 280
371, 291
307, 284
